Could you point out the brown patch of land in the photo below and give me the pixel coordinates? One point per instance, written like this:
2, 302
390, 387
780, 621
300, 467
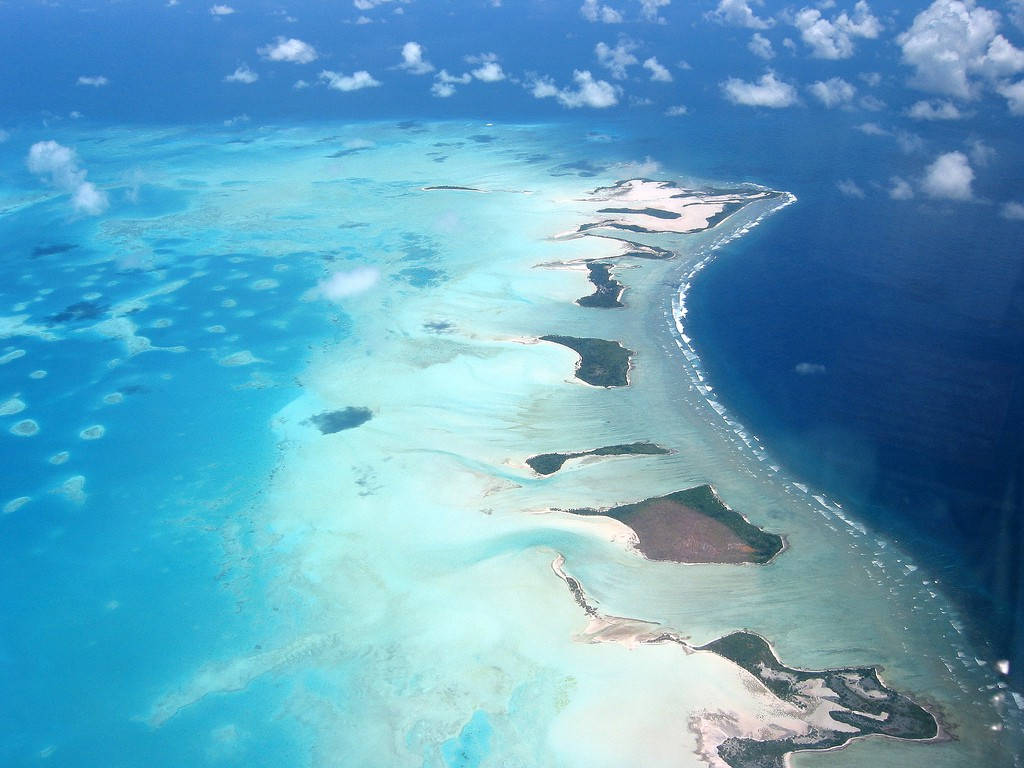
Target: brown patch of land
693, 526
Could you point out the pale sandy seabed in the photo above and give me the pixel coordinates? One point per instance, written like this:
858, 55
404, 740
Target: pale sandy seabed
419, 547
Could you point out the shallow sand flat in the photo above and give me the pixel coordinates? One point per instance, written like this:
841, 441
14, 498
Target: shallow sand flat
414, 538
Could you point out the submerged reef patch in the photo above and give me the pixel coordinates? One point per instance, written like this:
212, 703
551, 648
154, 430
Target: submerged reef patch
330, 422
693, 526
602, 363
549, 463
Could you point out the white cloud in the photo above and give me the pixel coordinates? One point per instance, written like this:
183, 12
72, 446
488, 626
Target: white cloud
871, 79
900, 189
489, 72
589, 92
981, 153
738, 13
221, 10
810, 369
871, 103
339, 81
363, 20
96, 81
413, 61
873, 129
1017, 13
761, 47
592, 11
949, 177
833, 39
366, 5
953, 42
342, 284
444, 85
676, 111
300, 85
659, 74
60, 165
834, 92
768, 91
616, 60
649, 9
850, 188
242, 74
288, 49
4, 135
1012, 210
935, 110
1014, 95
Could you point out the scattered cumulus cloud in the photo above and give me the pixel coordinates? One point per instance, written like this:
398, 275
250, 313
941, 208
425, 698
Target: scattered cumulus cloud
767, 91
288, 49
592, 11
618, 59
242, 75
59, 165
871, 79
949, 177
444, 83
935, 110
1014, 95
833, 38
341, 285
300, 85
413, 61
659, 73
677, 111
900, 189
96, 81
738, 13
761, 47
834, 92
1012, 210
649, 10
489, 71
339, 81
588, 92
954, 49
221, 10
850, 188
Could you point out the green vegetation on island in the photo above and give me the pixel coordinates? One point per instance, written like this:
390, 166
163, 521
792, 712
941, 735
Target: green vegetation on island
608, 290
862, 702
602, 363
693, 526
549, 463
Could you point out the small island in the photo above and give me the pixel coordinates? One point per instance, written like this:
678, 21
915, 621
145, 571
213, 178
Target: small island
693, 526
549, 463
859, 704
608, 290
330, 422
602, 363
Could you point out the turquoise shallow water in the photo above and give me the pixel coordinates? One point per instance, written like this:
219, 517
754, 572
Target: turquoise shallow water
228, 585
